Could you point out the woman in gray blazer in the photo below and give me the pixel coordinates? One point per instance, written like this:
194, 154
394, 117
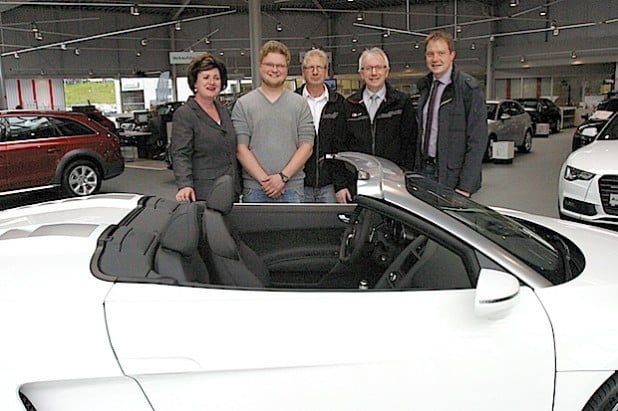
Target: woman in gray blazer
203, 143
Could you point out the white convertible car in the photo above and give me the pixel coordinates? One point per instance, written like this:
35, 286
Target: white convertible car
414, 298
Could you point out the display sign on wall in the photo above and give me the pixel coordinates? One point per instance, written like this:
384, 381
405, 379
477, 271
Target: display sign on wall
182, 57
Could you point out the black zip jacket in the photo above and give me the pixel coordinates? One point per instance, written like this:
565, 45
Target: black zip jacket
332, 126
392, 135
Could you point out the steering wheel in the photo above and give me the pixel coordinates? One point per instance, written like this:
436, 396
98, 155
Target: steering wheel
399, 273
355, 236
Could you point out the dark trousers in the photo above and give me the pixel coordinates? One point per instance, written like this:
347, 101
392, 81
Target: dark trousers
429, 168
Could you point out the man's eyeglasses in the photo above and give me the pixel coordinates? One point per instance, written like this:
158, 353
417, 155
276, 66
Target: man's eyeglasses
273, 66
314, 68
369, 69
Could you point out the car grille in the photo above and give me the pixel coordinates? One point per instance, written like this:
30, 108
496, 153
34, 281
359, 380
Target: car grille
608, 185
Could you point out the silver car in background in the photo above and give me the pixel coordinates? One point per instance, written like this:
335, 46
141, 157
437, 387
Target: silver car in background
508, 121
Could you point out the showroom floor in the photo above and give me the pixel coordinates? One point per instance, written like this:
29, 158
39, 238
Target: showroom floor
530, 183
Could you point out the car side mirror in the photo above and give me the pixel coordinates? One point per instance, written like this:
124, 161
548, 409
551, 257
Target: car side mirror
589, 132
505, 116
496, 294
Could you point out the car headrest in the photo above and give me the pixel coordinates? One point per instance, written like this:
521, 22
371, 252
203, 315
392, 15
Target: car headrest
183, 230
221, 197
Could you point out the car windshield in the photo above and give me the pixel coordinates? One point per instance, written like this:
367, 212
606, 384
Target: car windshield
610, 132
520, 240
491, 110
609, 105
528, 103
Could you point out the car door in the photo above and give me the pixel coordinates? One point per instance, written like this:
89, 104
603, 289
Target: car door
503, 125
33, 150
520, 121
226, 349
195, 348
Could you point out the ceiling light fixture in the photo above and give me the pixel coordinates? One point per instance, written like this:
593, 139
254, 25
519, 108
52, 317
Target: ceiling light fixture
458, 29
473, 46
354, 39
76, 52
353, 49
514, 3
522, 59
221, 53
34, 27
143, 42
16, 55
138, 54
177, 26
360, 17
134, 10
543, 12
279, 27
63, 46
38, 36
573, 55
554, 27
207, 40
416, 45
386, 34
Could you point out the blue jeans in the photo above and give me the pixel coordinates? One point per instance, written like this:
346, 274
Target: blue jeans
324, 194
257, 195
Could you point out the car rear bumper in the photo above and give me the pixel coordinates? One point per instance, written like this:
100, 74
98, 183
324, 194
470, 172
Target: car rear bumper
113, 169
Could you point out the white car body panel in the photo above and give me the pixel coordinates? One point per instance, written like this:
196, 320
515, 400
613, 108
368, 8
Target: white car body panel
584, 304
573, 388
40, 353
323, 337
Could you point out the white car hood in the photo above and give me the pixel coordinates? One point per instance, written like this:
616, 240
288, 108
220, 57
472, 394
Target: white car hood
599, 157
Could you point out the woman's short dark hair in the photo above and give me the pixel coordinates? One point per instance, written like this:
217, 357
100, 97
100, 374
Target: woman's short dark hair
205, 62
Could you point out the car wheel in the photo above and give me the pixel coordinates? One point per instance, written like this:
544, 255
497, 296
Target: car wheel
606, 397
526, 145
489, 151
81, 178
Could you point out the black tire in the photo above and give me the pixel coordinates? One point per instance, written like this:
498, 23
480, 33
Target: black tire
526, 145
81, 178
488, 156
606, 397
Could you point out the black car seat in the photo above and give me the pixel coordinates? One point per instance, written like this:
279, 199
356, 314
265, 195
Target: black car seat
178, 254
230, 260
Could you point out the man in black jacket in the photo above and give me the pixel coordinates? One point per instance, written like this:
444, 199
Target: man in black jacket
453, 129
327, 109
379, 120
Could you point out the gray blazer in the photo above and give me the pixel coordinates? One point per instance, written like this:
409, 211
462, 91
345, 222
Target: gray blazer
201, 149
462, 135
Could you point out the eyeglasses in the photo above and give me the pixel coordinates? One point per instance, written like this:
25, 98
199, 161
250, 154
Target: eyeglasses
272, 66
314, 68
369, 69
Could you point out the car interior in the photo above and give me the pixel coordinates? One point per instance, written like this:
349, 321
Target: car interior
332, 247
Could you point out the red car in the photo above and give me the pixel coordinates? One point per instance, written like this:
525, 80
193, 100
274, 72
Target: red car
56, 149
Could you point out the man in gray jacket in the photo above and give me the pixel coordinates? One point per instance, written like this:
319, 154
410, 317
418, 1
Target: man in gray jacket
452, 120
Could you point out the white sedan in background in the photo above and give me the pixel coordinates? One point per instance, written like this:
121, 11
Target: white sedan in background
588, 187
414, 298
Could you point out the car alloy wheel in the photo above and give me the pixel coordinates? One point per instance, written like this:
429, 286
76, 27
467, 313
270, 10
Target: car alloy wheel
81, 178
